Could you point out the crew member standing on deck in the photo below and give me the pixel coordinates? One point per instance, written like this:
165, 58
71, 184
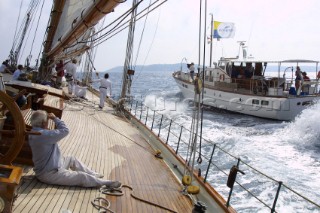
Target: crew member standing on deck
60, 73
105, 88
50, 166
71, 69
191, 68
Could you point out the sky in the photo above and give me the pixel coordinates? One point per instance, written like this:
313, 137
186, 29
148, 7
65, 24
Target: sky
273, 30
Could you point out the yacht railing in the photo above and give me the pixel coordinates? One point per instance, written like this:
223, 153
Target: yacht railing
258, 189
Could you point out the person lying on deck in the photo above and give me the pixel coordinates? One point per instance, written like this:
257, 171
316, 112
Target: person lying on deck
80, 91
50, 166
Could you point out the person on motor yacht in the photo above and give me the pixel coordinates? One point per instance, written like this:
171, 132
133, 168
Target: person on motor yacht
298, 78
191, 68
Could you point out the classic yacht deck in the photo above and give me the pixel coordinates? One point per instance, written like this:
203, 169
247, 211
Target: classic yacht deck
111, 146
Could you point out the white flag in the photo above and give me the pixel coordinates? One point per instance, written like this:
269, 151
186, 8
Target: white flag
223, 30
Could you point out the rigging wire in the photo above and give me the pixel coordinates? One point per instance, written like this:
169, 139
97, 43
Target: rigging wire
200, 28
196, 111
127, 13
100, 40
44, 40
154, 35
88, 63
128, 21
199, 160
126, 79
15, 32
91, 54
141, 37
118, 26
95, 49
35, 33
21, 33
90, 60
29, 29
123, 16
17, 35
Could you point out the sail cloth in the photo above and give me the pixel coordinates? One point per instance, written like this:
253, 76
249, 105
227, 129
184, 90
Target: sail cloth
223, 30
71, 11
75, 19
76, 49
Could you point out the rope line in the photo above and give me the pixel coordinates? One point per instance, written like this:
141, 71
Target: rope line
141, 36
15, 32
154, 35
127, 22
117, 190
101, 39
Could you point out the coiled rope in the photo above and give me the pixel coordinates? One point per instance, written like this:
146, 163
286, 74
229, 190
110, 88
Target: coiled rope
118, 192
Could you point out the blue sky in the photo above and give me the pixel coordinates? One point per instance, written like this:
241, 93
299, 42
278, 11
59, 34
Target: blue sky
273, 29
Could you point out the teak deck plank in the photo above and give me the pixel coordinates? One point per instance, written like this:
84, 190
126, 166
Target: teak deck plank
109, 145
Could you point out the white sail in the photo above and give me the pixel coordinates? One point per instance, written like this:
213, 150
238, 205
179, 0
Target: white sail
73, 9
76, 19
69, 29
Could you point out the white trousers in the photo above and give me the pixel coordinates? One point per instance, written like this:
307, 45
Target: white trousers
103, 94
73, 173
70, 86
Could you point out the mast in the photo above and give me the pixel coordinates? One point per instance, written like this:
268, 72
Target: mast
127, 73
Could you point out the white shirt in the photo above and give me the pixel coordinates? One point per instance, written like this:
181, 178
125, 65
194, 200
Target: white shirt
104, 84
16, 75
71, 68
2, 67
46, 146
191, 68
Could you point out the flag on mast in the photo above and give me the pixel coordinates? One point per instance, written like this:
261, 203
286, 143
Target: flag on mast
223, 29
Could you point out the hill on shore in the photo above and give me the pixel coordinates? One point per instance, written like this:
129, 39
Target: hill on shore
152, 68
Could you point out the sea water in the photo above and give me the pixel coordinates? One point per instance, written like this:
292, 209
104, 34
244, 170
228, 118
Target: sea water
285, 151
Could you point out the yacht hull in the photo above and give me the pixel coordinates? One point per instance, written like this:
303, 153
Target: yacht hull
278, 108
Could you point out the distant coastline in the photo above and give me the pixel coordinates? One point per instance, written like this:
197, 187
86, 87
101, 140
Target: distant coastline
175, 67
152, 68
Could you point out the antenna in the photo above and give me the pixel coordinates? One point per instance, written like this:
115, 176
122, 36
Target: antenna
241, 45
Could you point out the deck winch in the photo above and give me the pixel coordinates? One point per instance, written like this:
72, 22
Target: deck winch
199, 207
